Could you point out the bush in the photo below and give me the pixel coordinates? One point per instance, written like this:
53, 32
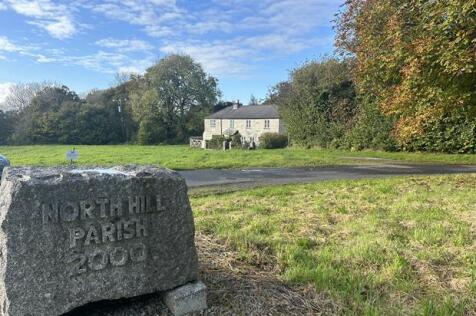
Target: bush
236, 140
372, 130
273, 140
451, 133
216, 142
150, 132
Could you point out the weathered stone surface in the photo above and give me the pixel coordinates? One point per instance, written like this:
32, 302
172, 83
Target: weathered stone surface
186, 299
69, 237
3, 163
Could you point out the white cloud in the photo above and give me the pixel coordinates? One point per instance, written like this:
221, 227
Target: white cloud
130, 70
237, 56
125, 45
229, 37
217, 58
43, 59
62, 28
101, 61
54, 18
150, 14
248, 30
7, 46
298, 17
4, 91
111, 63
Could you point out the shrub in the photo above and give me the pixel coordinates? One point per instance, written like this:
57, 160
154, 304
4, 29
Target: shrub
273, 140
236, 140
372, 130
150, 132
216, 142
451, 133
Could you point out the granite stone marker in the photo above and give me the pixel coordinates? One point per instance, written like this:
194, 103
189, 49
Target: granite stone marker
69, 237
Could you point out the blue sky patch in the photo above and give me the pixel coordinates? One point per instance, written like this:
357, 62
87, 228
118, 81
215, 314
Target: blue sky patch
248, 45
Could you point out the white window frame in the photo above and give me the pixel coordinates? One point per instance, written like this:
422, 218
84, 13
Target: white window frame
213, 123
248, 123
232, 123
266, 124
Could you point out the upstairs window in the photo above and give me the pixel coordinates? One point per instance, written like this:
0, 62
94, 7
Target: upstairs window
232, 123
266, 124
248, 123
213, 123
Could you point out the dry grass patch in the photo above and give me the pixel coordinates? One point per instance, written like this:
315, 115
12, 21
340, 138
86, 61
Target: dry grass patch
237, 288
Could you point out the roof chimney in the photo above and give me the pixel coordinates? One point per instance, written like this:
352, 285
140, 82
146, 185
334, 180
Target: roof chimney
236, 105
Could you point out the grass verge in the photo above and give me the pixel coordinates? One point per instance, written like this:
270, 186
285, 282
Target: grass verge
395, 246
182, 157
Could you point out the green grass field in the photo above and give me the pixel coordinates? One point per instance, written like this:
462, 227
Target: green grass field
183, 157
399, 246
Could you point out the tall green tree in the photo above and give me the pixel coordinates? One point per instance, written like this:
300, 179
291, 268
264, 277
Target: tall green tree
39, 122
319, 104
173, 97
8, 121
117, 102
56, 115
278, 93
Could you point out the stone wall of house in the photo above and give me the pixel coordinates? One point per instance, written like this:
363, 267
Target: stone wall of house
210, 130
252, 132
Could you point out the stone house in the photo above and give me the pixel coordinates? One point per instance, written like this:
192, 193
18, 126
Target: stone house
250, 121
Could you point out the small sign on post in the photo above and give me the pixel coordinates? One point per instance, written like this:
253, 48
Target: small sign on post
72, 155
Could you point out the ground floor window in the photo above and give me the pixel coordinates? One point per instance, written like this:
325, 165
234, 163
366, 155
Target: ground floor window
266, 124
248, 123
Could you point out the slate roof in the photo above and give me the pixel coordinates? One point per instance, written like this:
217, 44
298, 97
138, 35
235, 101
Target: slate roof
247, 112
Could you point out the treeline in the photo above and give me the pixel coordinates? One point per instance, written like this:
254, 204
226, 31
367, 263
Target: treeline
166, 105
404, 80
322, 107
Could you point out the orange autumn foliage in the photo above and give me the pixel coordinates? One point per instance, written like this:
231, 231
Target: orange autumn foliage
417, 58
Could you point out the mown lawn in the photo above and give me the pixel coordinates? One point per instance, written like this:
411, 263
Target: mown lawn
183, 157
399, 246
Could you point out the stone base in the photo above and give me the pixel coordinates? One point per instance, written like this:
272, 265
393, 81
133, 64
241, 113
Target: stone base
185, 299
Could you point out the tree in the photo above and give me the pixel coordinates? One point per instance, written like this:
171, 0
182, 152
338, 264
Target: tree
117, 101
175, 94
278, 93
415, 58
320, 104
253, 100
21, 94
97, 126
39, 122
7, 125
221, 105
